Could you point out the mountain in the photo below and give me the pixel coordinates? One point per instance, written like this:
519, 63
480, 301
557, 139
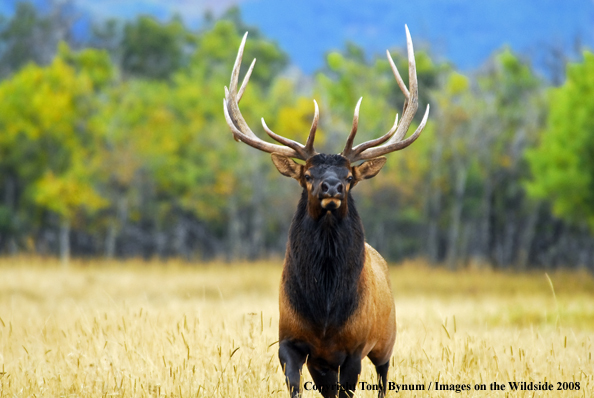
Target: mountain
464, 32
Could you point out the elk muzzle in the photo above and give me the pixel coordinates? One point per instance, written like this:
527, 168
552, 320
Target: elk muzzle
331, 193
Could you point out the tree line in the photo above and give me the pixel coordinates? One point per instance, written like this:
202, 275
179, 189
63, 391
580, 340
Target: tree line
117, 146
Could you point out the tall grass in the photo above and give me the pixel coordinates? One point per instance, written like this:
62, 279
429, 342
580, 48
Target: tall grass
135, 329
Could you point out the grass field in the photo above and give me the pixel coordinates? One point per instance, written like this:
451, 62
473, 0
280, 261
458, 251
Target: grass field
172, 330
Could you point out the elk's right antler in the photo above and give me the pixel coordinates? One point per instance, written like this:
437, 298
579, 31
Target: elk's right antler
242, 132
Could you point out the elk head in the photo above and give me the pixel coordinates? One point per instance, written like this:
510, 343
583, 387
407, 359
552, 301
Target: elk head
327, 178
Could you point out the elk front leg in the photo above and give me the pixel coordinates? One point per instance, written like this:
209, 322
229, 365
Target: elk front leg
382, 376
349, 375
292, 356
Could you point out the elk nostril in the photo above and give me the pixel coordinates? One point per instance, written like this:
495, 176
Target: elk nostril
339, 188
325, 187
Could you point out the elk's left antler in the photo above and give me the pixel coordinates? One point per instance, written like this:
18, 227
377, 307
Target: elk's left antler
394, 137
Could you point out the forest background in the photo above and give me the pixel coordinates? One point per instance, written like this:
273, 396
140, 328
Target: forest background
116, 146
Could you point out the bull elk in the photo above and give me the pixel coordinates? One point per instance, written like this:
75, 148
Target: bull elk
336, 304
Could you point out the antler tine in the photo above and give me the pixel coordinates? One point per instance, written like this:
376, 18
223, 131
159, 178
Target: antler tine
231, 94
370, 144
348, 147
412, 103
394, 137
297, 147
312, 131
240, 129
237, 66
305, 151
254, 141
397, 75
246, 79
401, 144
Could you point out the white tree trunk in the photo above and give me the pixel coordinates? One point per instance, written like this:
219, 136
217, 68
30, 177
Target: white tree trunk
456, 219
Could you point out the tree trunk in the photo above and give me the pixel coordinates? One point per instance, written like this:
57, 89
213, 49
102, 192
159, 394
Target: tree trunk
433, 228
257, 233
65, 243
116, 224
434, 205
528, 238
511, 227
257, 225
485, 223
464, 251
110, 240
9, 202
9, 191
160, 239
585, 243
456, 219
233, 231
179, 239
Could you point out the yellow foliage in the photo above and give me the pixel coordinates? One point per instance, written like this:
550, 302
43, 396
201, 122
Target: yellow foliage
505, 161
45, 111
457, 84
295, 121
66, 194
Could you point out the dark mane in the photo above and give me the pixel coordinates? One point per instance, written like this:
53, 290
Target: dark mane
323, 263
323, 159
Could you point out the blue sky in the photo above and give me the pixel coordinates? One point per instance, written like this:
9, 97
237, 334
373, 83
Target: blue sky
463, 31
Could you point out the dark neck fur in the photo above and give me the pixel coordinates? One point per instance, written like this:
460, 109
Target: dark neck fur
323, 263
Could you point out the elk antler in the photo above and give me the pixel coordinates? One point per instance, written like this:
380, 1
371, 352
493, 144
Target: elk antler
394, 137
240, 129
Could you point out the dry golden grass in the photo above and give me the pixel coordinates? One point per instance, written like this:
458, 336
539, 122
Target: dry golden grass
136, 329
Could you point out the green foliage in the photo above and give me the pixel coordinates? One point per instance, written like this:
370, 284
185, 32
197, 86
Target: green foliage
348, 76
95, 64
134, 136
151, 49
562, 165
152, 130
26, 37
216, 49
335, 61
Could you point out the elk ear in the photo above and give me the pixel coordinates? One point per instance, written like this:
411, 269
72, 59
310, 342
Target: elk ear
287, 166
369, 168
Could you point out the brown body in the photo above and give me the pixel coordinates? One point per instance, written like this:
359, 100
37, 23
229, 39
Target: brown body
336, 305
371, 329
